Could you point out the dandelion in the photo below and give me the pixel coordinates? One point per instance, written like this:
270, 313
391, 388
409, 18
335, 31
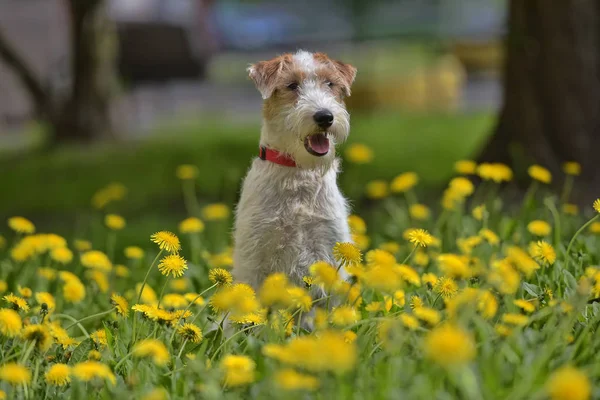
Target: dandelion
361, 241
409, 321
404, 182
539, 228
134, 253
61, 255
21, 225
324, 274
419, 212
191, 225
383, 279
569, 383
238, 370
420, 237
45, 298
359, 153
187, 172
595, 228
96, 259
172, 264
515, 319
190, 332
94, 355
390, 247
73, 291
429, 315
215, 212
15, 374
99, 337
522, 261
446, 287
504, 277
572, 168
220, 276
121, 305
377, 189
58, 375
154, 349
570, 209
344, 315
495, 172
357, 225
524, 305
82, 245
380, 258
503, 330
289, 379
416, 302
166, 241
465, 167
540, 174
449, 346
454, 266
489, 236
18, 303
544, 252
89, 370
462, 187
114, 222
597, 205
10, 322
408, 274
478, 212
24, 291
239, 299
347, 253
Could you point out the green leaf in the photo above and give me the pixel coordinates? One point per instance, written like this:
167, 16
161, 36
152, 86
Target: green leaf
80, 353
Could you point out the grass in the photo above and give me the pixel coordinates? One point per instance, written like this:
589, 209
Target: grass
487, 306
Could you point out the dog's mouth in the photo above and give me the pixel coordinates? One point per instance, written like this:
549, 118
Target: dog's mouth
317, 145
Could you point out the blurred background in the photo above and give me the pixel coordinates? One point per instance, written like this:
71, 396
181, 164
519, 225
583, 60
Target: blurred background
101, 91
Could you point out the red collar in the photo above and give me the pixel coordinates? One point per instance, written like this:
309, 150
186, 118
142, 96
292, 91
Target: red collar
264, 153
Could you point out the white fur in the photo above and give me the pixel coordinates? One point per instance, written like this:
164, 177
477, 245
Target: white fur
288, 218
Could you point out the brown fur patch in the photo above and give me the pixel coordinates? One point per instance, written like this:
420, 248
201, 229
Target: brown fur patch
344, 74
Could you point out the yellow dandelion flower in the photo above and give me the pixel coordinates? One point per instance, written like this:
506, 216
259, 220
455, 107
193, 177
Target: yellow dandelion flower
504, 277
572, 168
409, 321
134, 253
408, 274
449, 346
324, 274
10, 322
191, 225
357, 225
179, 284
154, 349
390, 247
73, 291
15, 374
419, 212
569, 383
39, 334
237, 370
597, 205
46, 298
383, 279
99, 337
190, 332
595, 228
120, 304
187, 172
96, 259
94, 355
172, 264
344, 315
539, 228
446, 287
465, 167
570, 209
461, 186
404, 182
420, 237
377, 189
454, 266
399, 298
503, 330
239, 299
416, 302
544, 252
121, 271
114, 222
359, 153
215, 212
89, 370
148, 294
82, 245
289, 379
21, 225
220, 276
193, 297
495, 172
18, 303
489, 236
421, 258
347, 253
61, 255
380, 258
515, 319
174, 300
428, 315
3, 286
540, 174
166, 241
524, 305
24, 291
361, 241
99, 278
522, 261
58, 375
478, 212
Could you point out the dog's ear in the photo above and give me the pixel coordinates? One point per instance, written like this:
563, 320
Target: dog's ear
347, 73
265, 73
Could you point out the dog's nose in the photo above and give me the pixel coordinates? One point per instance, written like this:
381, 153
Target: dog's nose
323, 118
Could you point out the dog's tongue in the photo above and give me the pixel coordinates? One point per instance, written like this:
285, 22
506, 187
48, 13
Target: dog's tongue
319, 143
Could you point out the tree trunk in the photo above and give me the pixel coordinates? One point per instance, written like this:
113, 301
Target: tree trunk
551, 110
85, 114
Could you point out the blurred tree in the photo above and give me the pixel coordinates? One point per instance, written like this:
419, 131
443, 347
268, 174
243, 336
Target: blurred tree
551, 110
81, 113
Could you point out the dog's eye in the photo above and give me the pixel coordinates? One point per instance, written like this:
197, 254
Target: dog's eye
293, 86
329, 83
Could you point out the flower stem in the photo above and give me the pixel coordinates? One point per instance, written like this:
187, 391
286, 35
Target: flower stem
134, 316
78, 322
410, 255
578, 232
87, 335
186, 309
162, 291
229, 339
182, 347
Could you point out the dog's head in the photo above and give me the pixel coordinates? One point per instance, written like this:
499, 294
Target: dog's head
304, 111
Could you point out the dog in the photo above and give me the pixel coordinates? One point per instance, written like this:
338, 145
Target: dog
291, 211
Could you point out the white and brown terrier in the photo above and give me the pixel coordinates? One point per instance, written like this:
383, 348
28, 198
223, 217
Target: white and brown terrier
291, 212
